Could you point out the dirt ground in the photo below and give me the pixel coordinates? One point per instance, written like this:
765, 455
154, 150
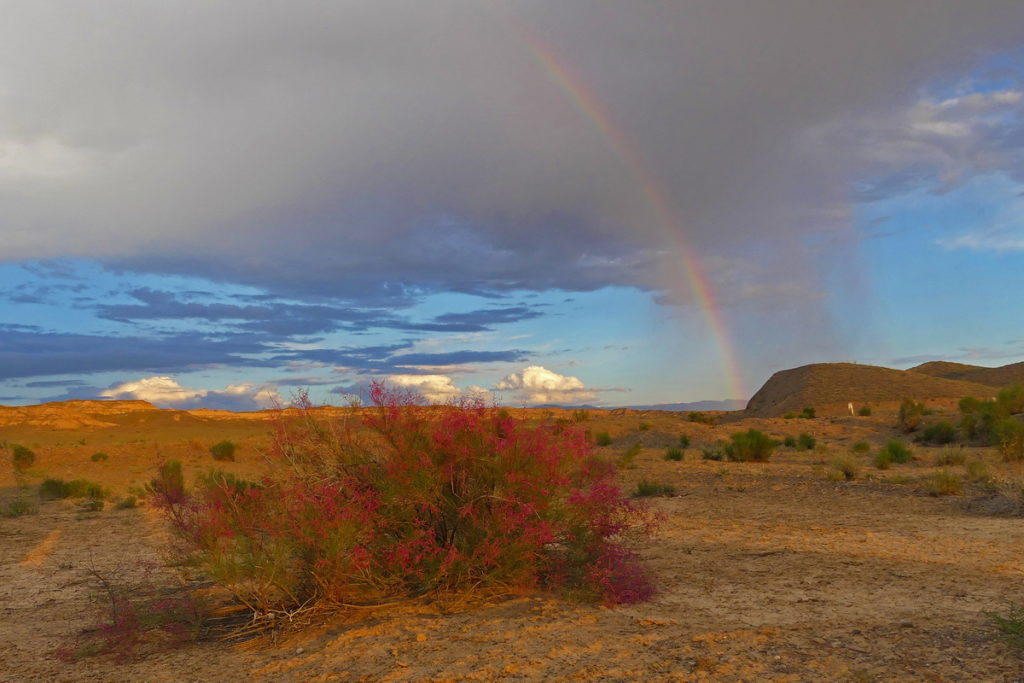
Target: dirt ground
766, 572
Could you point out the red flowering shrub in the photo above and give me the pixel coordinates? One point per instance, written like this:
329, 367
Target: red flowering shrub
403, 500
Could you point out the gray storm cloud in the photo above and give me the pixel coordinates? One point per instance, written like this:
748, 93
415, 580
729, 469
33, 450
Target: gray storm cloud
381, 150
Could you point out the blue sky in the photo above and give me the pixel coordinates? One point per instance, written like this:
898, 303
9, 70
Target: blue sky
325, 195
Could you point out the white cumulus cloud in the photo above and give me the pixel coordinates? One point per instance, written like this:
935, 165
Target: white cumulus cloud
433, 388
166, 392
537, 384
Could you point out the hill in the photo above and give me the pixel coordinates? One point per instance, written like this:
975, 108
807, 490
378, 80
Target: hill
71, 414
1001, 376
823, 384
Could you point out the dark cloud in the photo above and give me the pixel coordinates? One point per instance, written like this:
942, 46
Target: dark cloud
490, 316
283, 320
45, 384
33, 353
384, 150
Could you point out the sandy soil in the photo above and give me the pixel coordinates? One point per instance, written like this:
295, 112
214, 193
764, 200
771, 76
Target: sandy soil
767, 572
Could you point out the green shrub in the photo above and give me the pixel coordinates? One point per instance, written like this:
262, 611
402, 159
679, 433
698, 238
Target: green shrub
1010, 435
91, 505
580, 415
950, 456
807, 413
790, 416
602, 439
882, 460
845, 468
910, 415
1011, 625
977, 471
127, 503
627, 458
697, 416
1011, 399
897, 452
861, 447
674, 454
223, 450
789, 442
52, 489
944, 483
97, 457
715, 453
684, 441
805, 442
21, 457
18, 507
644, 427
647, 489
83, 488
865, 411
938, 433
750, 446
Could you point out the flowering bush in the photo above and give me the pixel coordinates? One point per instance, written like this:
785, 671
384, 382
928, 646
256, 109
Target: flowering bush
403, 500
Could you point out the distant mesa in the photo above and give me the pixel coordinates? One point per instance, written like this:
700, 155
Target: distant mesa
823, 384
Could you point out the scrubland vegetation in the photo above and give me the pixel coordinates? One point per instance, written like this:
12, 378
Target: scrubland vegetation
457, 509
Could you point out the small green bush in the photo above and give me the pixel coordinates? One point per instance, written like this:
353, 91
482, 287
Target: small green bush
647, 489
644, 427
882, 460
675, 454
97, 457
807, 413
750, 446
951, 456
789, 442
845, 468
977, 471
627, 458
1011, 625
910, 415
127, 503
19, 507
702, 418
789, 416
805, 442
944, 483
21, 457
938, 433
861, 447
715, 453
897, 451
865, 411
83, 488
91, 505
684, 441
223, 450
580, 415
52, 489
1010, 435
603, 439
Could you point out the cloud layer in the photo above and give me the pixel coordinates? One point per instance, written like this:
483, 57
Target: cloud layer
378, 151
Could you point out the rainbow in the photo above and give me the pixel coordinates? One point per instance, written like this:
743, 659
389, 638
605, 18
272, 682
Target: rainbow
696, 279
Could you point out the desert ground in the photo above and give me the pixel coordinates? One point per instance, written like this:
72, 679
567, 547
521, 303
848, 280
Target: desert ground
772, 571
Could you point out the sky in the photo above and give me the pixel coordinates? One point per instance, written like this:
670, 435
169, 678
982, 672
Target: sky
218, 204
